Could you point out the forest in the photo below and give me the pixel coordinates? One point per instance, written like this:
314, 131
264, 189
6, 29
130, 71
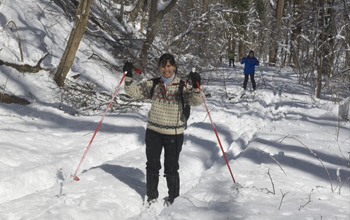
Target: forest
312, 37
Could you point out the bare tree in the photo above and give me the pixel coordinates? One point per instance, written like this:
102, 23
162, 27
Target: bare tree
347, 41
275, 32
298, 12
81, 18
203, 29
155, 18
139, 6
121, 12
144, 11
347, 52
326, 43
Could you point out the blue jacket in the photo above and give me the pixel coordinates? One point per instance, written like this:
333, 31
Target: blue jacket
250, 63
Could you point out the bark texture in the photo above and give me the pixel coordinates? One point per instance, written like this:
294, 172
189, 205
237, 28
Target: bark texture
81, 18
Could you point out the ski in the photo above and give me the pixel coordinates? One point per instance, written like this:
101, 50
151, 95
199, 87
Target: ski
166, 202
242, 95
236, 94
156, 204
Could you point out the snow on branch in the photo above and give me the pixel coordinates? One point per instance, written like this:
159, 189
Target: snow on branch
129, 8
194, 24
26, 67
273, 5
162, 5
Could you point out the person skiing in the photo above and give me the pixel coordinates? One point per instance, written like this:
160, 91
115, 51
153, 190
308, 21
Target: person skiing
166, 122
231, 57
249, 69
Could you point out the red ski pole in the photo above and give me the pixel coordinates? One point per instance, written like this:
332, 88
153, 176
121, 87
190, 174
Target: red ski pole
87, 149
217, 136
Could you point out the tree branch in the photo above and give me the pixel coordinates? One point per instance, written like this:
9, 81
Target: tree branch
273, 159
302, 206
12, 99
283, 195
199, 21
19, 38
26, 67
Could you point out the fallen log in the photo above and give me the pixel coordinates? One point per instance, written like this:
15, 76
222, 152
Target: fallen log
26, 67
12, 99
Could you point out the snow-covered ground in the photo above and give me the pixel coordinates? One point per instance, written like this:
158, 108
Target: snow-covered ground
288, 150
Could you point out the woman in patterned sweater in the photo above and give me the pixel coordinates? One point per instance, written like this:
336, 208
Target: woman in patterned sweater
166, 122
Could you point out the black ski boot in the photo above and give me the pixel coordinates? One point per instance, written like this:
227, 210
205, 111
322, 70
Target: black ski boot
173, 182
152, 186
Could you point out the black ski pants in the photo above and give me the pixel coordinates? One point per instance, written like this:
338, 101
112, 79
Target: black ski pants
172, 145
232, 61
246, 81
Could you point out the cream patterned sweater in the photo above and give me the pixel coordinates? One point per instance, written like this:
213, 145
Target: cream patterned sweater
165, 115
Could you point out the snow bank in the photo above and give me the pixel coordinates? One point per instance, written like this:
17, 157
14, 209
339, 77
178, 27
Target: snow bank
344, 109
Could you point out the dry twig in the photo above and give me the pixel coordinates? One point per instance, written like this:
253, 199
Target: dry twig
283, 195
302, 206
329, 177
19, 38
273, 186
273, 159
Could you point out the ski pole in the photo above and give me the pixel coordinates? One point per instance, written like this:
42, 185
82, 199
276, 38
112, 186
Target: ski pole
231, 72
217, 136
88, 147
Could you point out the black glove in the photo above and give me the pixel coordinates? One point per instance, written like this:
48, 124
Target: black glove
195, 77
128, 68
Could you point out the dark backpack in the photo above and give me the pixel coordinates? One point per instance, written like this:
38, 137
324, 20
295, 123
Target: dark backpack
186, 109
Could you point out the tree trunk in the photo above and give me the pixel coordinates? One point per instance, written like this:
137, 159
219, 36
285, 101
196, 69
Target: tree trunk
320, 63
284, 53
329, 38
144, 10
347, 40
135, 12
241, 49
326, 39
26, 67
121, 14
5, 98
275, 32
233, 47
155, 18
81, 18
203, 28
298, 12
347, 52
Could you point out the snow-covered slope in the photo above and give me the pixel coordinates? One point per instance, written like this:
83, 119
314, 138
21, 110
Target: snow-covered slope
287, 149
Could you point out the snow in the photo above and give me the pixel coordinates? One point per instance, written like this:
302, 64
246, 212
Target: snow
41, 145
344, 109
163, 4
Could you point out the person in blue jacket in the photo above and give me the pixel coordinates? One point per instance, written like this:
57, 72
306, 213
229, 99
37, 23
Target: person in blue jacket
249, 69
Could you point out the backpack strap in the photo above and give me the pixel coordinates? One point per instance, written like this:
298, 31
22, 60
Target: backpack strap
155, 82
186, 109
181, 86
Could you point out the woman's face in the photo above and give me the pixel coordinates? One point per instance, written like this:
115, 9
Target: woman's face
167, 70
